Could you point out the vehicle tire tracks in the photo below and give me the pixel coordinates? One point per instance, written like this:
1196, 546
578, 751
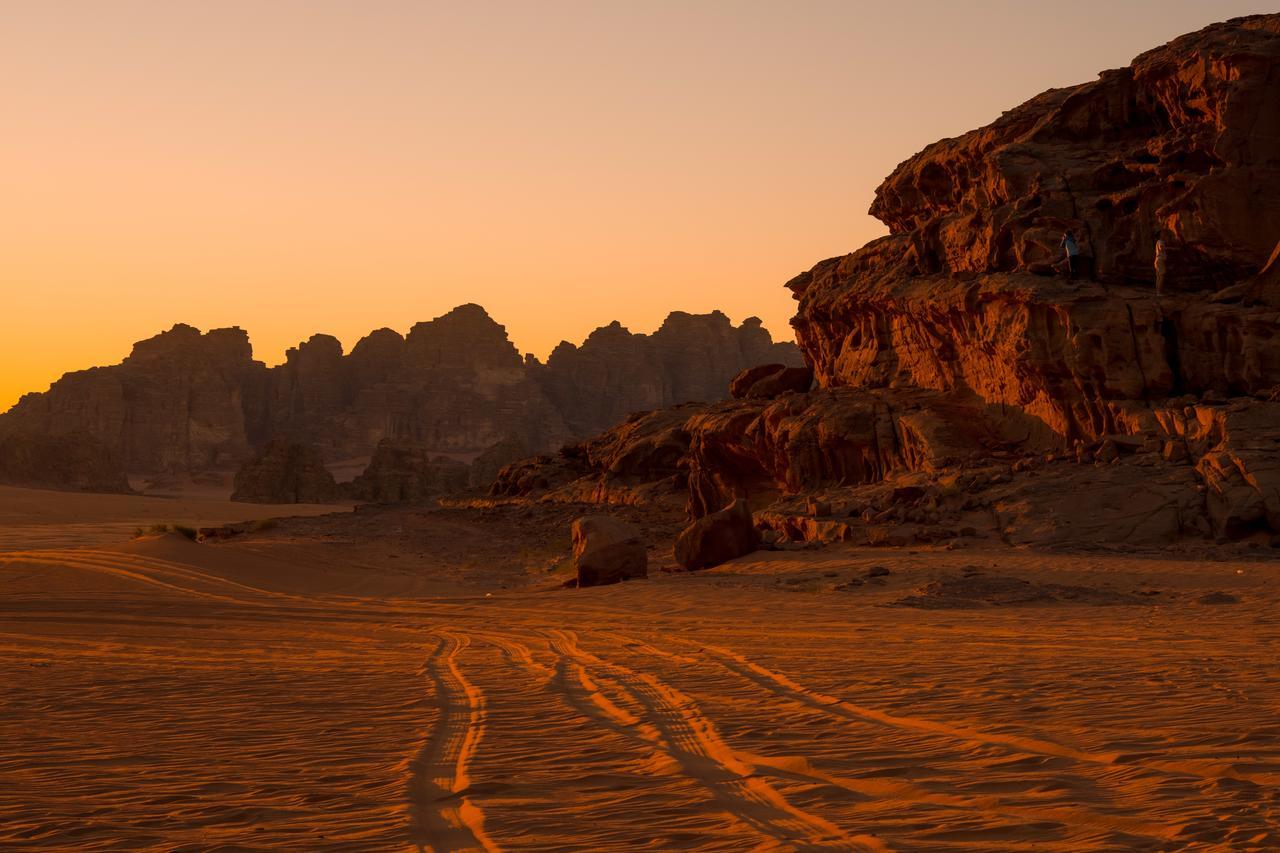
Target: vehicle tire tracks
442, 816
643, 706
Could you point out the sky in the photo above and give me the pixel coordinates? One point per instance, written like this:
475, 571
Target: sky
304, 166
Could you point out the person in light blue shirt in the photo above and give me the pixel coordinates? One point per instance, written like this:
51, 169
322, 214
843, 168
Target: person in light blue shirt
1072, 249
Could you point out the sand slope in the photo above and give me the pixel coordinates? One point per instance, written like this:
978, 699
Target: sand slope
167, 695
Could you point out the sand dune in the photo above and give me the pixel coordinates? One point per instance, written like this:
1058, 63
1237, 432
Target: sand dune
281, 692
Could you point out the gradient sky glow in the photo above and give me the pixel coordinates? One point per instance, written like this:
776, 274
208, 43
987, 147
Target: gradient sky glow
302, 166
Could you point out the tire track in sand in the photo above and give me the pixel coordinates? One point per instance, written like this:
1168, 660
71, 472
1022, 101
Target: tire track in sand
671, 721
896, 788
834, 706
442, 816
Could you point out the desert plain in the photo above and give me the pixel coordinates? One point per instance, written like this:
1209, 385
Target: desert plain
400, 679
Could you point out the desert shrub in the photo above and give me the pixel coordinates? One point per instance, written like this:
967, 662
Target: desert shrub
266, 524
189, 532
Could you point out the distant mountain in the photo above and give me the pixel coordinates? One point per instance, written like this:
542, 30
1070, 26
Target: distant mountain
186, 401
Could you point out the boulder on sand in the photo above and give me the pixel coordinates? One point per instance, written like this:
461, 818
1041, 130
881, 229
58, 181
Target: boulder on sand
717, 538
607, 550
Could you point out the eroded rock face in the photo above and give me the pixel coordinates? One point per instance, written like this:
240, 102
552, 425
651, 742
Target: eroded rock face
1182, 142
71, 462
286, 472
608, 550
717, 538
1235, 448
181, 401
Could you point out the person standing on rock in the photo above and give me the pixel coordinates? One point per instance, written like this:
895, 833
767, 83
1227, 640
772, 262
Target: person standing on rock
1160, 265
1073, 254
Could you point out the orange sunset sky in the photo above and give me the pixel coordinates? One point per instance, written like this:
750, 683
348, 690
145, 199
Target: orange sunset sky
302, 166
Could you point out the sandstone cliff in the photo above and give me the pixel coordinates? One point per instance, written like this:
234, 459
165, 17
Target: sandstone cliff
181, 401
69, 462
961, 295
966, 383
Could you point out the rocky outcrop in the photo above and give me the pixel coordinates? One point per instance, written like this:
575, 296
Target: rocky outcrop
770, 380
717, 538
71, 462
1235, 448
286, 472
485, 467
607, 550
966, 387
960, 296
403, 471
186, 401
641, 461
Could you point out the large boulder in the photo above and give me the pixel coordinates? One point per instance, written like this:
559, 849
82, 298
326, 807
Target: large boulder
70, 461
770, 380
717, 538
286, 472
608, 550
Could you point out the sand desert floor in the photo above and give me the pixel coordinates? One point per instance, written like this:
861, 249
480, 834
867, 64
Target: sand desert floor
305, 688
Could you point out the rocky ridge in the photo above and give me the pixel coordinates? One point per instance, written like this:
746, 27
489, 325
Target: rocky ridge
184, 401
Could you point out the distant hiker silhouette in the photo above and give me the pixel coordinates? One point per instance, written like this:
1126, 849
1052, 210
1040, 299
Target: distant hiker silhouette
1072, 249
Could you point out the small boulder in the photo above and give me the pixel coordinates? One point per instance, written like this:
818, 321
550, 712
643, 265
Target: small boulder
608, 550
717, 538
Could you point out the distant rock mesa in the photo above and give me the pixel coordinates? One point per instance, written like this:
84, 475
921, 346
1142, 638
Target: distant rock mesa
184, 401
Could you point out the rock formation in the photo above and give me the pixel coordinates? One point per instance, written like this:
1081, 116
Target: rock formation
960, 296
286, 472
607, 550
690, 358
767, 381
70, 462
717, 538
965, 384
185, 401
404, 471
181, 401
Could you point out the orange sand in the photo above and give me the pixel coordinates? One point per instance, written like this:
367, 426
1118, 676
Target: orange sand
287, 692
